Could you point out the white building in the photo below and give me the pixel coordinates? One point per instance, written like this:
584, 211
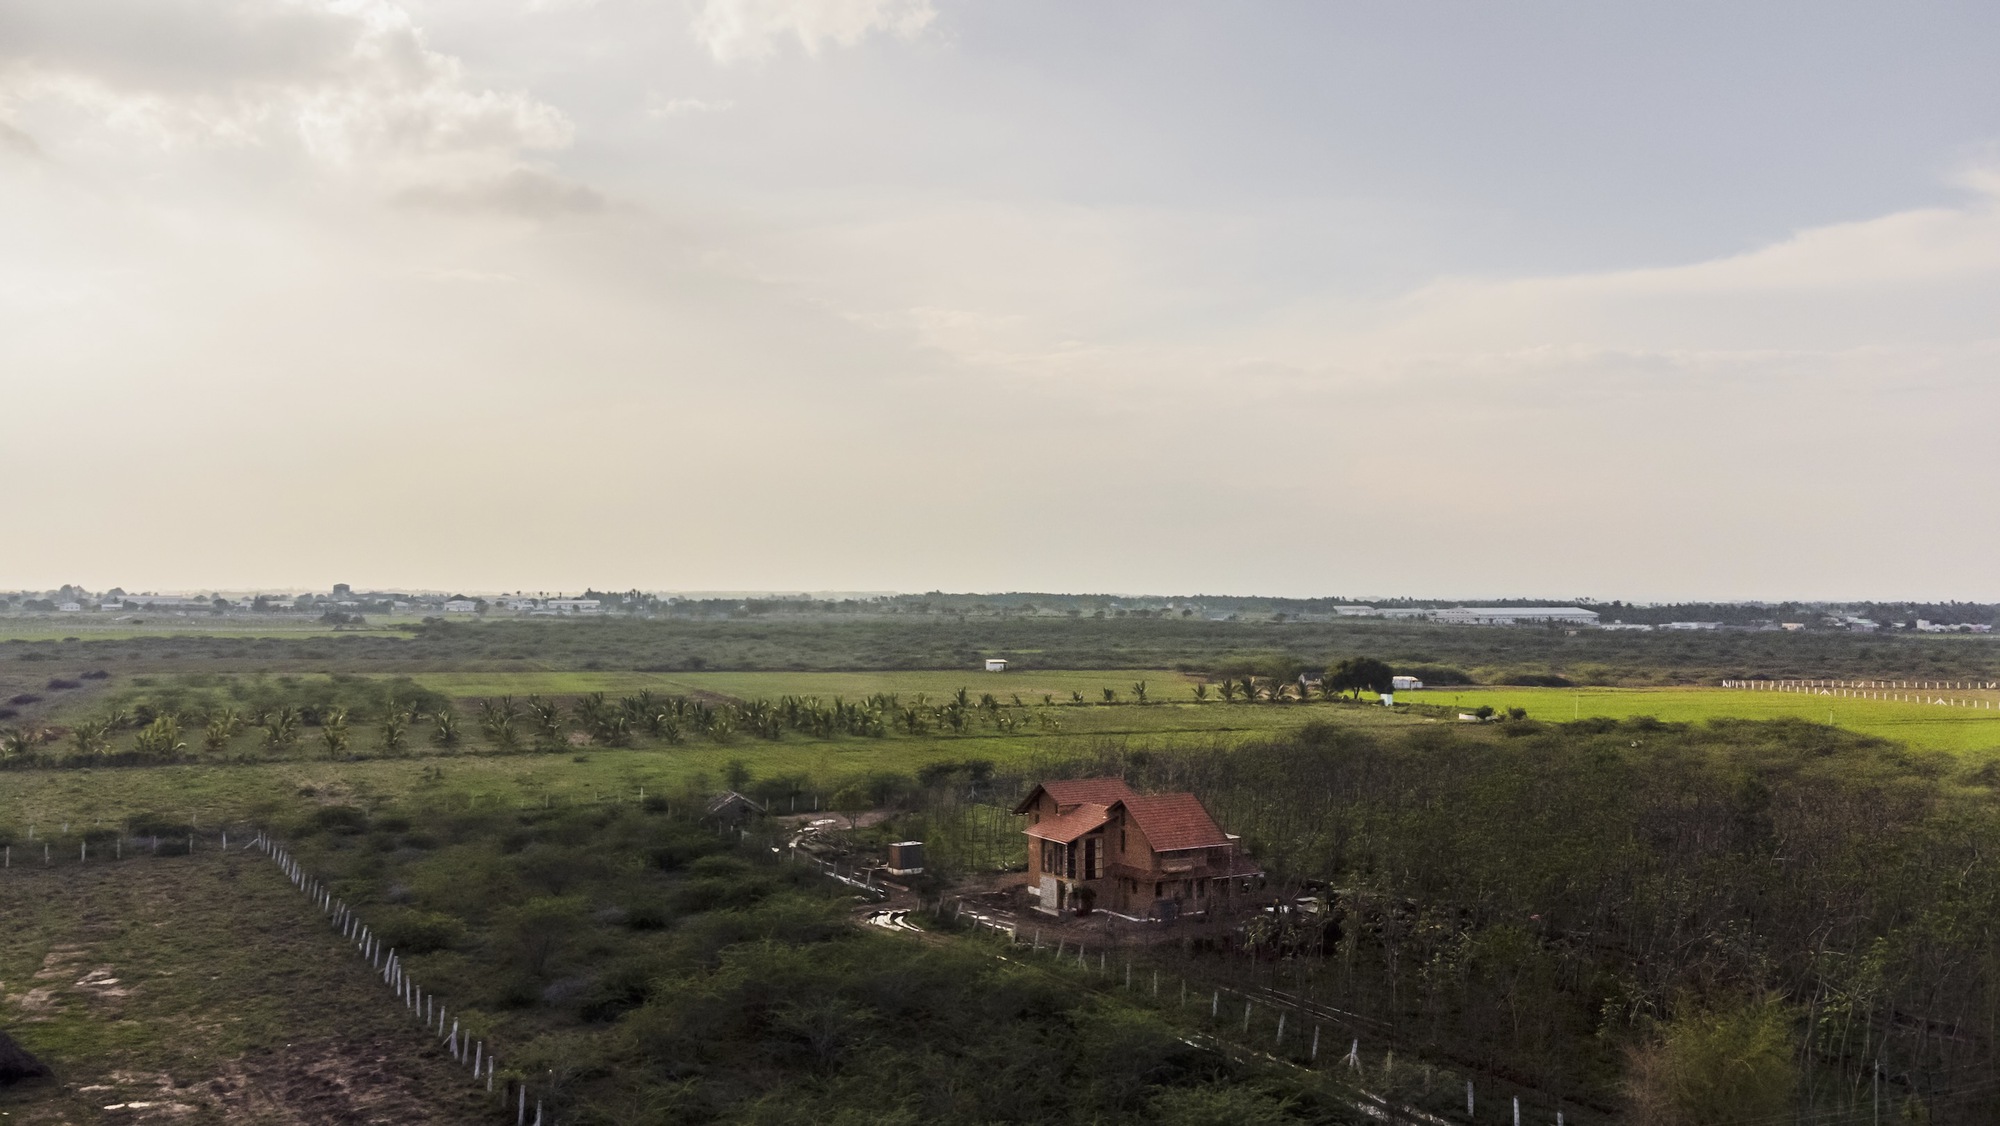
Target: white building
461, 606
1516, 615
1404, 684
71, 608
996, 664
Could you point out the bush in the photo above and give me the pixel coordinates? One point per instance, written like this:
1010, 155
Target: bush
419, 932
345, 820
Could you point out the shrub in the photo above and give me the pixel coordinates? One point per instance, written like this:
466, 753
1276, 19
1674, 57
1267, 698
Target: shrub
419, 932
345, 820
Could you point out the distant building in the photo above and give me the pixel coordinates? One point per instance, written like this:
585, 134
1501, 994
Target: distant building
1692, 625
71, 608
1515, 615
996, 664
1095, 843
1639, 627
461, 606
732, 809
1405, 683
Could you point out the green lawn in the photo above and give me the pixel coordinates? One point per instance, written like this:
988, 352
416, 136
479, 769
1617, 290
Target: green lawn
1961, 729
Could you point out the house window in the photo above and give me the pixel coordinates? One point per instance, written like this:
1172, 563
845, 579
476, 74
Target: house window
1159, 889
1093, 857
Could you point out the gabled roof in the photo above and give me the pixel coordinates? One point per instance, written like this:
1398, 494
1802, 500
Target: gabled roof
1077, 791
1174, 821
727, 798
1067, 827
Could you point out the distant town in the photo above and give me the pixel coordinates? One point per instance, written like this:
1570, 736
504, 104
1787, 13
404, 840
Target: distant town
344, 606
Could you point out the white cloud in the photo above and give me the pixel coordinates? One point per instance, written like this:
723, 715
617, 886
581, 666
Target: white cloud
664, 107
350, 84
749, 30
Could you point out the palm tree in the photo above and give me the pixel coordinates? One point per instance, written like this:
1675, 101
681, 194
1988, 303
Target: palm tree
1201, 693
19, 742
1228, 690
1139, 690
160, 738
445, 733
91, 737
1110, 695
334, 738
1076, 696
222, 727
547, 717
395, 722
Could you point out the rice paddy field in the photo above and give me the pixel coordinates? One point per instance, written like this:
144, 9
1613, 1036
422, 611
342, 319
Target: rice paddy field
1968, 722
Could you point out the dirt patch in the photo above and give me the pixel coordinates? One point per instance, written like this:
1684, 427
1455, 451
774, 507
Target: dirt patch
370, 1083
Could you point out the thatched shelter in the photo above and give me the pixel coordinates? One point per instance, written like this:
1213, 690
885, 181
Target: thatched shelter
16, 1064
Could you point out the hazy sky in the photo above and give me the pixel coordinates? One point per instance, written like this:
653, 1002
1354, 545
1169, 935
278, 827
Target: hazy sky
1701, 300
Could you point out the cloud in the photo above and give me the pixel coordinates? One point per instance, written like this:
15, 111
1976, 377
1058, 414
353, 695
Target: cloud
15, 140
751, 30
662, 107
523, 192
350, 84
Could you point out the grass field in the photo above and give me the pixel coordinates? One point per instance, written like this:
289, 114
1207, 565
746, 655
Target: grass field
253, 792
203, 990
1969, 730
106, 627
1030, 686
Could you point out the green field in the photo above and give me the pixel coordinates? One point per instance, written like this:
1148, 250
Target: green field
1031, 686
92, 627
1974, 730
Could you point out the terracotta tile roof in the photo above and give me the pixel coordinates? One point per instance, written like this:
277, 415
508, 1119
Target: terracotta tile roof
1077, 791
1067, 827
1174, 821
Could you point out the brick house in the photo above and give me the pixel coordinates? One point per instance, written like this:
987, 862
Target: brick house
1142, 855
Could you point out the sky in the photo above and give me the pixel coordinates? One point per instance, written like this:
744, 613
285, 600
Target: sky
1652, 302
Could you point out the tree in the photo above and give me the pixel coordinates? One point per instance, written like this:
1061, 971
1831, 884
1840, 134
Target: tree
19, 742
160, 739
222, 727
736, 775
1355, 675
445, 731
538, 929
1228, 690
852, 800
1201, 693
1139, 691
1110, 696
91, 737
395, 723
